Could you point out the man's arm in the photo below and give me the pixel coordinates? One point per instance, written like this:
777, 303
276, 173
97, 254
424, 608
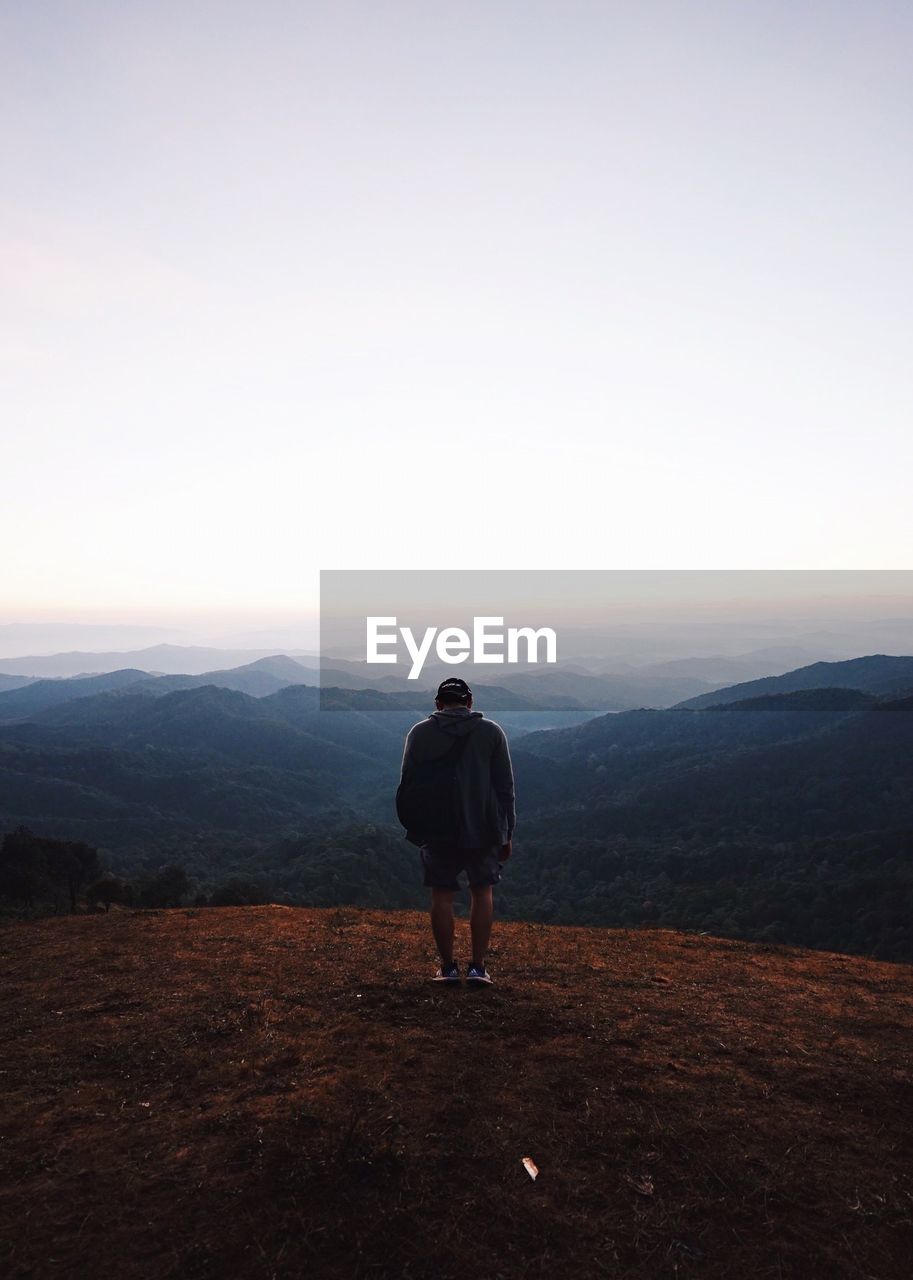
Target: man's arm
406, 767
502, 781
407, 754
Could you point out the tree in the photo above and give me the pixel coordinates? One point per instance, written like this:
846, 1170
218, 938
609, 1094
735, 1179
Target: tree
107, 890
167, 888
240, 892
35, 868
70, 865
23, 868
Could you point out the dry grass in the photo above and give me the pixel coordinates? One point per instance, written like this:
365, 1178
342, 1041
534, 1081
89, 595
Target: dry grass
266, 1092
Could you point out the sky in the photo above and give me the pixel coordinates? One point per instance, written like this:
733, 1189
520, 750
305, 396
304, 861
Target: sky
298, 286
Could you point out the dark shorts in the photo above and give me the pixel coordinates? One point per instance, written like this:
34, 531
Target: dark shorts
444, 862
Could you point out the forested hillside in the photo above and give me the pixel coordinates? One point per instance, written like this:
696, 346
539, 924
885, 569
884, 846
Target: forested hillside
785, 816
877, 673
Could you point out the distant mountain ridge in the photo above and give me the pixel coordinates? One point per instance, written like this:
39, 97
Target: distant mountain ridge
36, 696
876, 673
269, 675
690, 682
259, 678
544, 688
50, 638
165, 659
8, 682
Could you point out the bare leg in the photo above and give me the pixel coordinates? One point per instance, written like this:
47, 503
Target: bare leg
480, 917
442, 922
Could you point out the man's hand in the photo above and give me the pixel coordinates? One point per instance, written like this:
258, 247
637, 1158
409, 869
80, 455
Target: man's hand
505, 851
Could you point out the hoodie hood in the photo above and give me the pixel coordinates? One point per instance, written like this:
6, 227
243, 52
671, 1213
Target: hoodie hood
458, 721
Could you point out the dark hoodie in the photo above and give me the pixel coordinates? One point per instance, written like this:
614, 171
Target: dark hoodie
484, 775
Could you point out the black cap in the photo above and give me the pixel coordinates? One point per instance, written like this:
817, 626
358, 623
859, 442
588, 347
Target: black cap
453, 690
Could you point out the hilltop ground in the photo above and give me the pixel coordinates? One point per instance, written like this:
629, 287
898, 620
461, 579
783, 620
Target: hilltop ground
272, 1092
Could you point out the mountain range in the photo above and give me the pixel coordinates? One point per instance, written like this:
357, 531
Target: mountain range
876, 673
597, 687
307, 752
758, 806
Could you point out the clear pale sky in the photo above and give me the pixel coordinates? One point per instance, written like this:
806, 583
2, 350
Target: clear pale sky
286, 286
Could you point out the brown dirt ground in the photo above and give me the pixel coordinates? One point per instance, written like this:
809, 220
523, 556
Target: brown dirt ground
272, 1092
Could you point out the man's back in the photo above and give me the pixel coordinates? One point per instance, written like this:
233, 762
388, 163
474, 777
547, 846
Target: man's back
485, 783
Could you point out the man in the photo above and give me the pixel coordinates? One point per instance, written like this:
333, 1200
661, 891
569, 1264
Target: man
458, 762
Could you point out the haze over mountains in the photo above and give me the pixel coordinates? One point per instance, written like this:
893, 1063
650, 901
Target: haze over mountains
167, 667
49, 638
596, 682
168, 659
729, 640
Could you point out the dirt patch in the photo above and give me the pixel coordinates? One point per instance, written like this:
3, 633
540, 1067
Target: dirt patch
264, 1092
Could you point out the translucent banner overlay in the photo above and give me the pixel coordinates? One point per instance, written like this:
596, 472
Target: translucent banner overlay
553, 644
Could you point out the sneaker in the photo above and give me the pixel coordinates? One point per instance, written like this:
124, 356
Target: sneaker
478, 973
448, 973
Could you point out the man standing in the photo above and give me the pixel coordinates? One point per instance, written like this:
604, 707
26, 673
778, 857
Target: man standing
456, 800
